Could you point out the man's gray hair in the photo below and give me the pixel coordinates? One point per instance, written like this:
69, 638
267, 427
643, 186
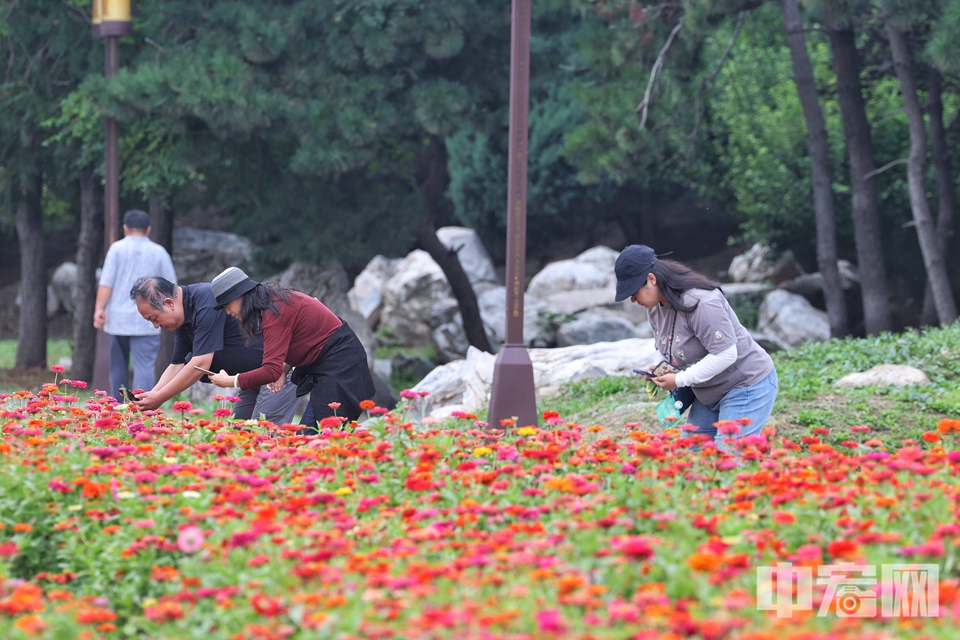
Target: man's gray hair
152, 290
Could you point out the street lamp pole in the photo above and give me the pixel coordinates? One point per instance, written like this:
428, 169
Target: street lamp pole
513, 395
110, 21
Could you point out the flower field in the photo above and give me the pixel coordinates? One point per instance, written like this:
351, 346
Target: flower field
115, 523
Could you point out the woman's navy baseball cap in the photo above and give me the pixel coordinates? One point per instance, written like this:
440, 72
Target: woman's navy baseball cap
632, 267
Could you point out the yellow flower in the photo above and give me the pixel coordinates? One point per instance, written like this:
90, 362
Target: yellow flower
527, 431
342, 491
482, 451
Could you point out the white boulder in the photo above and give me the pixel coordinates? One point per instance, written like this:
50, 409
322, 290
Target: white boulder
472, 254
751, 266
885, 375
366, 294
592, 271
790, 320
464, 385
594, 326
410, 296
64, 284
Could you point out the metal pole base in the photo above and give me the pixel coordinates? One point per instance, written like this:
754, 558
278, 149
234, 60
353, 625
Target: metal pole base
513, 394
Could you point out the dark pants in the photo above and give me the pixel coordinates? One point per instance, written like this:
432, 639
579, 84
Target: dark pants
277, 408
144, 351
340, 375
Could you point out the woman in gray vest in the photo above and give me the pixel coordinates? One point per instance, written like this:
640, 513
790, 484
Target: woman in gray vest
698, 333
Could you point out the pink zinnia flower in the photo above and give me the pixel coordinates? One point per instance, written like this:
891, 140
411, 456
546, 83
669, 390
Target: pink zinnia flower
190, 539
57, 369
182, 406
550, 621
728, 427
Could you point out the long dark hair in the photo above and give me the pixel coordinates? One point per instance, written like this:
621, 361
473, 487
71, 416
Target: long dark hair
673, 279
262, 297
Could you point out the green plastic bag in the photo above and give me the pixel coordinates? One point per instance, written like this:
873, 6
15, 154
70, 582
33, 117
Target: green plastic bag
668, 413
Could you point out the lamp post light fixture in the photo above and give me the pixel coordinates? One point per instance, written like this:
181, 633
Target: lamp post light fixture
513, 395
110, 19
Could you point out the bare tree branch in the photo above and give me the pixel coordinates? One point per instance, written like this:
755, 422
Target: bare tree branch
644, 105
889, 165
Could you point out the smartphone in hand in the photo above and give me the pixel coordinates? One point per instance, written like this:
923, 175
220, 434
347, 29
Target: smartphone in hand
206, 371
126, 395
645, 373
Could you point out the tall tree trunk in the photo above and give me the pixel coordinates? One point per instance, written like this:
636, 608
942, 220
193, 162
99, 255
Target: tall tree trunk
32, 338
161, 224
916, 167
432, 181
89, 251
947, 209
819, 171
866, 217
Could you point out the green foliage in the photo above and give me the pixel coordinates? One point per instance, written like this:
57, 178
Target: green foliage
943, 47
760, 137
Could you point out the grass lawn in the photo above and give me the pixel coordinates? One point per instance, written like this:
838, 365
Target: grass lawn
14, 379
56, 349
807, 396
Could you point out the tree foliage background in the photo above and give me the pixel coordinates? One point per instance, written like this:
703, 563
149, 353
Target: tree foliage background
307, 124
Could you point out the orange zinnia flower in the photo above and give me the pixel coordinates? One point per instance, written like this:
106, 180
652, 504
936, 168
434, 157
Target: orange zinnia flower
31, 625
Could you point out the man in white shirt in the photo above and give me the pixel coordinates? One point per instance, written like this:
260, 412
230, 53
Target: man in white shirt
128, 260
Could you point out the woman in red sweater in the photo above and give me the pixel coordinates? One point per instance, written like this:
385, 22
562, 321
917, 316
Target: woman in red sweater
299, 333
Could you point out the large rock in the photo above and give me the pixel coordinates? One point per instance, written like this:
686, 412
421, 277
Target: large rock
493, 312
329, 286
464, 385
757, 265
752, 265
810, 285
410, 296
366, 295
64, 285
591, 271
450, 339
200, 254
885, 375
473, 256
790, 320
595, 326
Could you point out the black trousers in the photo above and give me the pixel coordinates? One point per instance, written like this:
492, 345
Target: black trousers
340, 374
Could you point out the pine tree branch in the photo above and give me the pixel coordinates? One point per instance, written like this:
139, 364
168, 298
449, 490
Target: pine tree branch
644, 105
713, 76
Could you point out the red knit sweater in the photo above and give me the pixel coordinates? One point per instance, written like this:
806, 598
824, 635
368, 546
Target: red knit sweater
295, 335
